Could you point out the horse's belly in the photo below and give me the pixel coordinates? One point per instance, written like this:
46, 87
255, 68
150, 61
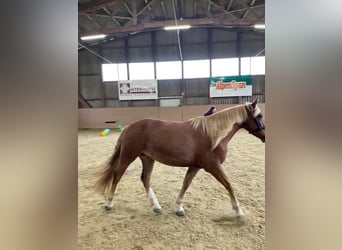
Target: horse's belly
170, 157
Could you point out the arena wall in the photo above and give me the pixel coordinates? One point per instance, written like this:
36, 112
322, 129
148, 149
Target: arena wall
96, 118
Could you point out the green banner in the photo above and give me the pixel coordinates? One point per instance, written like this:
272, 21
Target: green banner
230, 86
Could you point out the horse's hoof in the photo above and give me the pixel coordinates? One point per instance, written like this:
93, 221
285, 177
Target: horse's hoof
108, 208
158, 210
240, 218
239, 214
180, 213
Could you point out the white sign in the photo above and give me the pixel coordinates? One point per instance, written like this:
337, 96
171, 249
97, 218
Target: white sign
138, 90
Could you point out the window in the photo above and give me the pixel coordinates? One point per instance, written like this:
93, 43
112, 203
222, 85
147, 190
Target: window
253, 65
114, 72
258, 65
169, 70
245, 65
225, 67
196, 69
141, 71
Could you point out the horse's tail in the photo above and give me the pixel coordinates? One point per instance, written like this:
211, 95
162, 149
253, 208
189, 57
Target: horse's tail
105, 175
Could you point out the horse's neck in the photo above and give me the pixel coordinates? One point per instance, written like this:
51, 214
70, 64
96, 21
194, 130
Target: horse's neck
230, 135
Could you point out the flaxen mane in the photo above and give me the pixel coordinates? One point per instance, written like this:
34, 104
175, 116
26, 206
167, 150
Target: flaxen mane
218, 125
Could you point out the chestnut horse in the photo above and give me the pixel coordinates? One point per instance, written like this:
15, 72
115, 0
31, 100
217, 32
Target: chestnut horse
198, 143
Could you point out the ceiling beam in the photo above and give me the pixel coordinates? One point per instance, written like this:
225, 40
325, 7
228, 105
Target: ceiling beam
106, 10
221, 4
164, 10
93, 19
225, 11
97, 4
151, 10
244, 9
195, 8
214, 21
241, 2
107, 16
128, 9
230, 4
247, 11
147, 6
134, 12
106, 21
203, 8
111, 15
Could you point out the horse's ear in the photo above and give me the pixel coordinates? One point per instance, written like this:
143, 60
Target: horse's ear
254, 103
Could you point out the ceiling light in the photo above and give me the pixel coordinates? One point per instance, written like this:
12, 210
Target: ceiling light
259, 26
177, 27
99, 36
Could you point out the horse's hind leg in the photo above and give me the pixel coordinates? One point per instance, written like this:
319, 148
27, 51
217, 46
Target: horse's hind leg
147, 163
219, 174
118, 173
190, 174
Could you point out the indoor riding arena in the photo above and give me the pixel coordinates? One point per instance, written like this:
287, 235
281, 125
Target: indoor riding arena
171, 61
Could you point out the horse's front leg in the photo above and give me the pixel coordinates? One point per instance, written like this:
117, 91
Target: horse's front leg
146, 179
190, 174
219, 174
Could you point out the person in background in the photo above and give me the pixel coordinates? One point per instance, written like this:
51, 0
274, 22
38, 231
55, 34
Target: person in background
211, 111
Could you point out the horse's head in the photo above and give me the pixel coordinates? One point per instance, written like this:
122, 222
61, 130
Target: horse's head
254, 123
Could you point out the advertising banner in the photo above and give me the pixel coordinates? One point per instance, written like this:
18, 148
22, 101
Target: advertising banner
230, 86
138, 90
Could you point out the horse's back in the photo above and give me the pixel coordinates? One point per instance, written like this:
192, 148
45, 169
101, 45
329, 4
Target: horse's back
169, 142
159, 131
